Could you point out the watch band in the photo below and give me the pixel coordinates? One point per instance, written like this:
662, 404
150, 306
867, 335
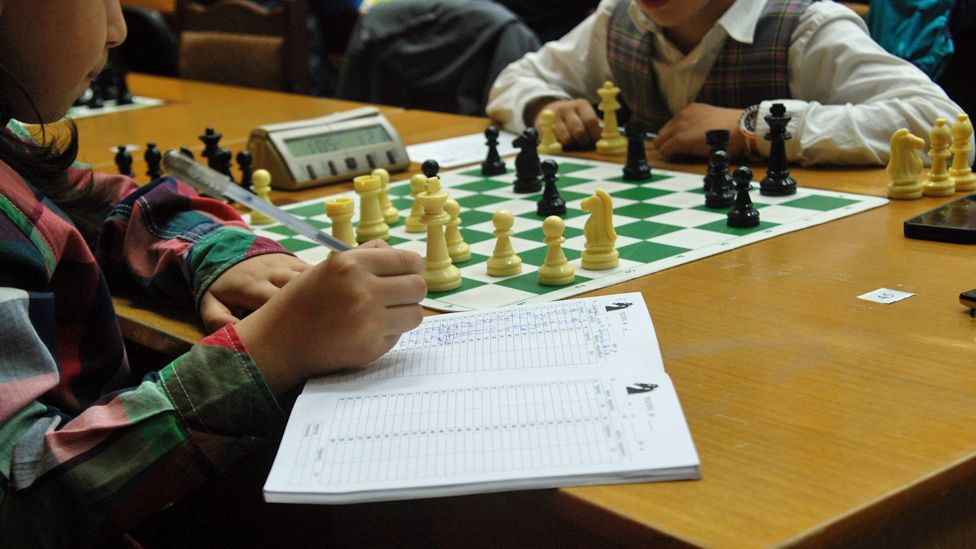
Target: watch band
747, 127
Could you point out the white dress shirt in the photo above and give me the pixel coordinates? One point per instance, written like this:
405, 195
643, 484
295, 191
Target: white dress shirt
849, 94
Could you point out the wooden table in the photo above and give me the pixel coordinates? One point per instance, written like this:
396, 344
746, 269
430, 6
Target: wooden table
820, 419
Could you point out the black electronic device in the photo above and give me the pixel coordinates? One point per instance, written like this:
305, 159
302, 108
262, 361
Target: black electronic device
953, 221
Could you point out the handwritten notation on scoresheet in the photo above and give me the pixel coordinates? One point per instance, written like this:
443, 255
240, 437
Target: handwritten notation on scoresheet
552, 335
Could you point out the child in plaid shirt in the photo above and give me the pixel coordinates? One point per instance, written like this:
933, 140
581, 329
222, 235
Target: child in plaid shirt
687, 66
86, 449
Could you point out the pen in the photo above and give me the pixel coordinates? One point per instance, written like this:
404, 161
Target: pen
214, 183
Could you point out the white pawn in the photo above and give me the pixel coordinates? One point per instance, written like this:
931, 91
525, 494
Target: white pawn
960, 172
418, 184
439, 273
340, 211
904, 167
599, 251
371, 224
503, 261
556, 271
262, 188
938, 182
457, 248
548, 144
390, 213
611, 142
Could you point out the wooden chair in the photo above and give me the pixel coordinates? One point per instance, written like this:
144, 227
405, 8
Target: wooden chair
238, 42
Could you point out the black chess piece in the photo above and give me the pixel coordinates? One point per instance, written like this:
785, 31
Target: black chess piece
744, 214
210, 139
636, 168
527, 171
221, 161
493, 164
95, 99
185, 151
244, 165
154, 159
122, 94
123, 161
777, 181
430, 168
717, 140
550, 203
719, 195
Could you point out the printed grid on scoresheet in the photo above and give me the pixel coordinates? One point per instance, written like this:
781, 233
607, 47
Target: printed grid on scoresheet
660, 223
452, 432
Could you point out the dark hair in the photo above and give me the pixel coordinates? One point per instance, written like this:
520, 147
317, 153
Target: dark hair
45, 166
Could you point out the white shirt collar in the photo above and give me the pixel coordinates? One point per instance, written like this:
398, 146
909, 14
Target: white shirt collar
739, 21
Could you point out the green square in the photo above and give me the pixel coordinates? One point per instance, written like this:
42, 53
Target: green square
478, 200
295, 245
536, 234
529, 282
537, 256
642, 210
655, 178
402, 204
645, 229
474, 217
820, 203
466, 284
474, 260
569, 167
483, 185
640, 193
398, 190
280, 229
722, 226
648, 252
308, 210
473, 237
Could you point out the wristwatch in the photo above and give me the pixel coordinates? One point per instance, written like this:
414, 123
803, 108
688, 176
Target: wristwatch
747, 127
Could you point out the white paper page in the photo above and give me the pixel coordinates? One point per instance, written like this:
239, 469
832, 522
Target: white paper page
546, 395
460, 151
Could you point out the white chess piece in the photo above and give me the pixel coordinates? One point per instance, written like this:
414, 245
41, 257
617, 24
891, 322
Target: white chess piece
418, 184
610, 142
440, 274
556, 271
503, 261
599, 251
390, 213
938, 182
371, 224
961, 173
262, 188
904, 167
548, 144
457, 248
340, 210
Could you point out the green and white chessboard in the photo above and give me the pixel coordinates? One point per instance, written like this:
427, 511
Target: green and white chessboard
660, 223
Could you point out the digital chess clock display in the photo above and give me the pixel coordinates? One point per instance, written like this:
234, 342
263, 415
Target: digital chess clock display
337, 141
330, 148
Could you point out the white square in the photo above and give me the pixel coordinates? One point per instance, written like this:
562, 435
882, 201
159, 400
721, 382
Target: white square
691, 238
688, 218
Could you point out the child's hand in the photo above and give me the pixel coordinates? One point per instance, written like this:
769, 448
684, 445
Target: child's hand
246, 286
684, 134
344, 312
576, 122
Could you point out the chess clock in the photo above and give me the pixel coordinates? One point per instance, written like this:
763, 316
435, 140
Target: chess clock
335, 147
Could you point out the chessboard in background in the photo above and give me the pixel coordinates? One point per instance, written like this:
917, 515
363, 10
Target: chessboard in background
108, 93
660, 223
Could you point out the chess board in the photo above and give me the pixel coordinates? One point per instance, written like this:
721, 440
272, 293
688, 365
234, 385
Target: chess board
109, 106
660, 223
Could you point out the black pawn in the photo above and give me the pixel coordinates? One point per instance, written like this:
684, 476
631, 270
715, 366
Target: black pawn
244, 165
123, 161
154, 160
717, 140
719, 194
493, 164
210, 139
185, 151
636, 168
744, 214
430, 168
122, 94
527, 171
777, 181
221, 161
550, 203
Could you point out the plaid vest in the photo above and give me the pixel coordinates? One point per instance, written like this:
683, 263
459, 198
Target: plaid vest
743, 74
